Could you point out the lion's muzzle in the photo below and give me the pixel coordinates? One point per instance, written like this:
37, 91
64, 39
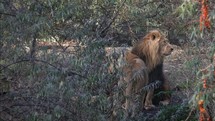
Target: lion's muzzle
168, 50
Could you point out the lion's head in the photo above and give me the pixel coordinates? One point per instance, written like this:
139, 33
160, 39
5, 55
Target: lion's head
153, 48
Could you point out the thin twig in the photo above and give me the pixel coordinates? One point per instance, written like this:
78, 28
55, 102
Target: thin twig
189, 114
114, 18
69, 73
7, 14
62, 47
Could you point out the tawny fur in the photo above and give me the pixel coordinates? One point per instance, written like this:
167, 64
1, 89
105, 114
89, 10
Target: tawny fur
143, 59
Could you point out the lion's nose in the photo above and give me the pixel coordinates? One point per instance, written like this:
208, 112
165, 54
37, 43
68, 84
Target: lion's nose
171, 49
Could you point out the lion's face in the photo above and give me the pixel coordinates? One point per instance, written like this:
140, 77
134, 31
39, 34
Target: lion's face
160, 43
165, 47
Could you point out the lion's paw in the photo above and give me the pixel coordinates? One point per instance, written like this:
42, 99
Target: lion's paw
148, 107
165, 102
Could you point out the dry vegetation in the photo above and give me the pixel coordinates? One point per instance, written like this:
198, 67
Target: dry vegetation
59, 89
46, 77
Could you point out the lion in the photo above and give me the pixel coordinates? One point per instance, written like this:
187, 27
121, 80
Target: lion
144, 65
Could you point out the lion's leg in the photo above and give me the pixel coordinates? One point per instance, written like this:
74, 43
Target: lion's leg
148, 101
129, 99
166, 88
136, 78
142, 102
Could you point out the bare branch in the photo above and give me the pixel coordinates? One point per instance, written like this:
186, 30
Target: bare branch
113, 19
68, 73
7, 14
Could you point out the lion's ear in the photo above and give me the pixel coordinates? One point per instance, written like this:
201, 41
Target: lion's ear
155, 35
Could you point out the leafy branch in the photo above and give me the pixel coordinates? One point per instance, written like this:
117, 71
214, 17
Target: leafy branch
68, 73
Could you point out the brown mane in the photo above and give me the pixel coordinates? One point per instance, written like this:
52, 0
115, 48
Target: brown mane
148, 49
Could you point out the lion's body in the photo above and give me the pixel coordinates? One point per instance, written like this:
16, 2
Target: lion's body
144, 65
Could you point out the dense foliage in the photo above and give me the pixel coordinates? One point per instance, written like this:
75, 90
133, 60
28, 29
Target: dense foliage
52, 58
